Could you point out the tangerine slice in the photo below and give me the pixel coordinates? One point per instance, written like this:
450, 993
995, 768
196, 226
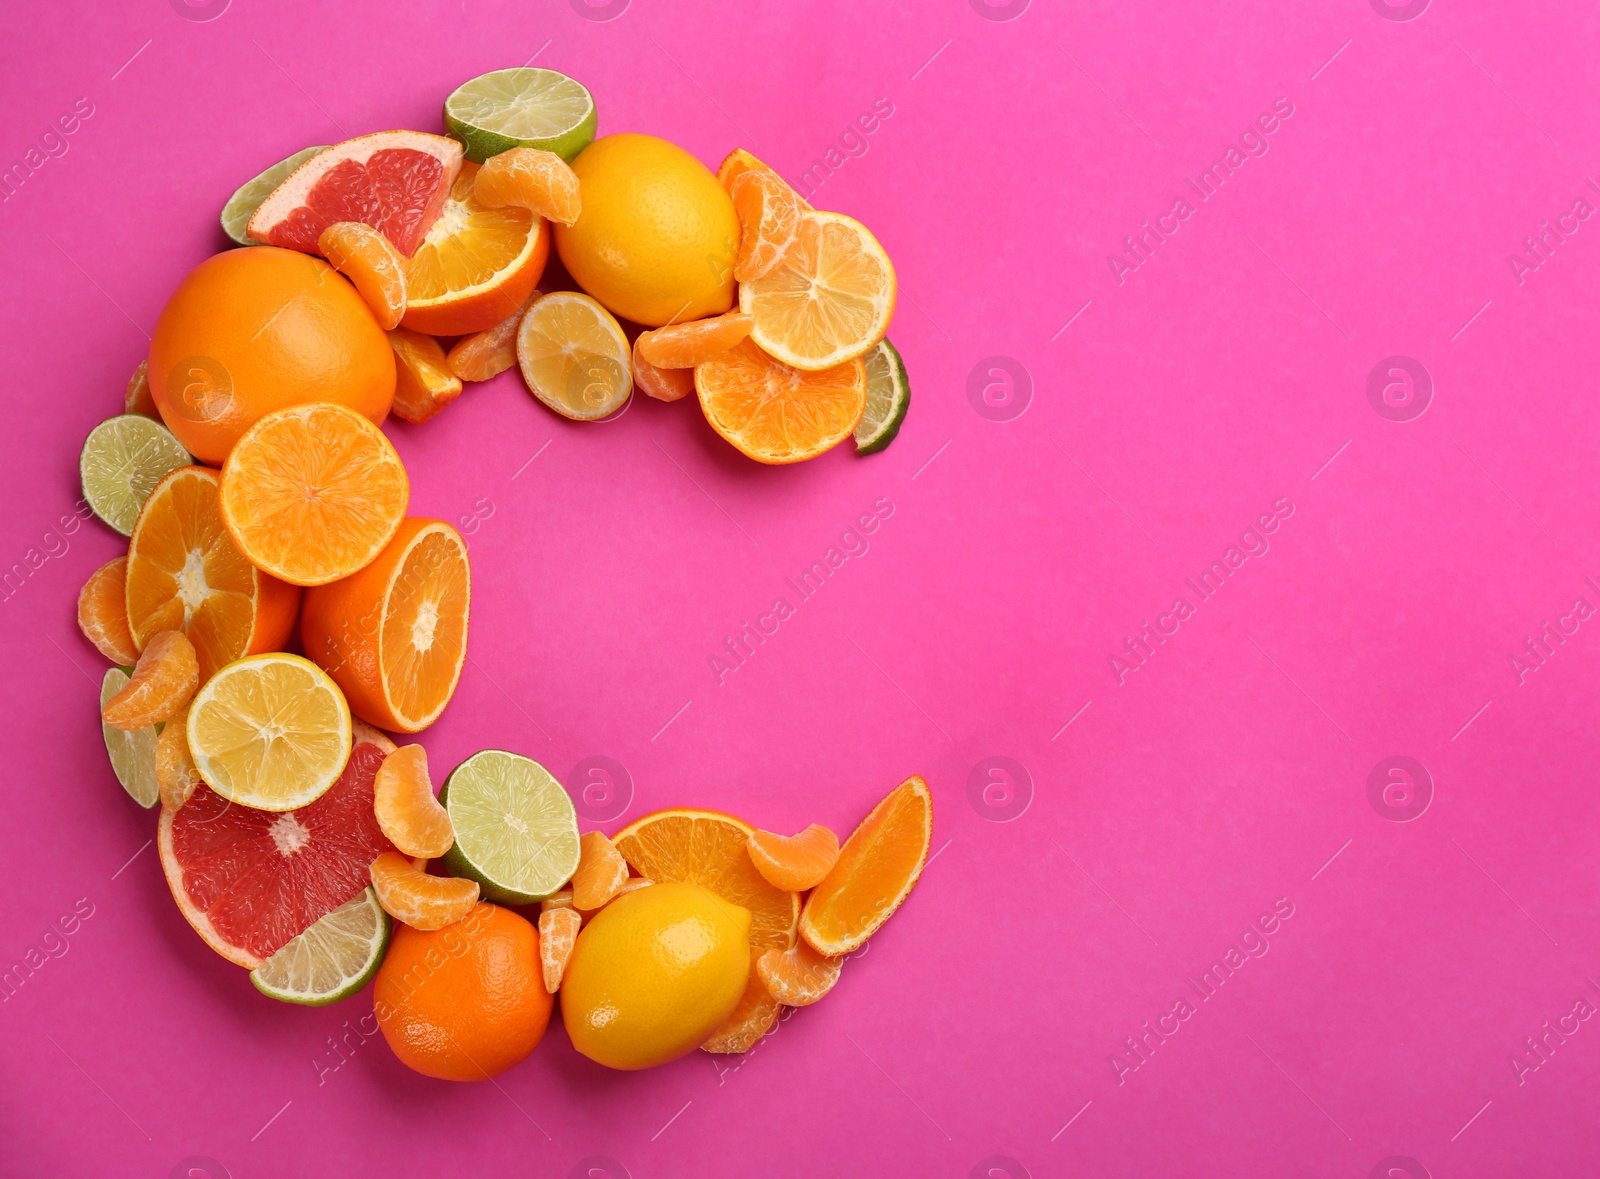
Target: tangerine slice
777, 414
563, 899
769, 216
410, 895
798, 976
423, 382
601, 872
752, 1017
164, 679
176, 775
795, 862
185, 573
313, 493
371, 263
684, 345
408, 813
394, 635
138, 399
527, 178
558, 933
877, 868
103, 613
739, 161
490, 352
664, 384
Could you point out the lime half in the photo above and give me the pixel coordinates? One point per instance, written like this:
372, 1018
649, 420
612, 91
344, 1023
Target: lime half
888, 396
516, 831
522, 107
247, 199
122, 461
133, 755
330, 961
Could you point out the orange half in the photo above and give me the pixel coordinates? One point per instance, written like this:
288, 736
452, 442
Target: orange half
777, 414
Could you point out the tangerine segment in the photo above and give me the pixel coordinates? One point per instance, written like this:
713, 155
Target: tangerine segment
563, 899
176, 776
752, 1017
769, 217
185, 573
138, 399
796, 862
371, 263
103, 612
828, 300
574, 356
739, 161
708, 848
313, 493
684, 345
877, 868
409, 894
798, 976
408, 813
601, 872
490, 352
527, 178
476, 266
163, 681
394, 635
777, 414
558, 933
423, 382
664, 384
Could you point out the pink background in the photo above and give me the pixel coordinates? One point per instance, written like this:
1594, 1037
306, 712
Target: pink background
1228, 372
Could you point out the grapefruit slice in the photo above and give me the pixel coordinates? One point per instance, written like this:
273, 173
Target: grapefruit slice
251, 881
394, 181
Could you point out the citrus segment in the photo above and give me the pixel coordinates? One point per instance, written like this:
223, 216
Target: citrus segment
751, 1019
176, 775
709, 849
574, 356
122, 461
394, 635
103, 612
798, 976
888, 398
490, 352
330, 961
828, 300
133, 755
138, 398
516, 831
601, 872
796, 862
408, 814
563, 899
248, 196
777, 414
371, 263
558, 933
877, 868
423, 382
527, 178
664, 384
163, 681
769, 217
739, 161
684, 345
313, 493
409, 894
526, 106
271, 732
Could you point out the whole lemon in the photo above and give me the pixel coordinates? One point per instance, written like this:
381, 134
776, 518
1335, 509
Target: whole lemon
259, 329
656, 240
654, 974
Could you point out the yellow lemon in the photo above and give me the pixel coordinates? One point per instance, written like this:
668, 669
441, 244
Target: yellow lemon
654, 974
657, 237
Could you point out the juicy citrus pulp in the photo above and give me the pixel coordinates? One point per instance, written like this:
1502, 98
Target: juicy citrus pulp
539, 181
162, 682
138, 398
574, 356
423, 382
371, 263
407, 893
330, 961
795, 862
521, 107
408, 814
490, 352
601, 872
769, 217
888, 398
122, 461
684, 345
558, 933
516, 831
133, 755
777, 414
739, 161
103, 612
176, 775
664, 384
798, 976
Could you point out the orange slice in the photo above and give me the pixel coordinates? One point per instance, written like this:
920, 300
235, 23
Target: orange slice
490, 352
739, 161
777, 414
751, 1019
409, 815
138, 398
423, 382
798, 976
164, 679
103, 612
558, 933
664, 384
371, 263
313, 493
877, 868
708, 848
601, 872
795, 862
409, 894
185, 573
684, 345
394, 635
176, 775
769, 217
527, 178
476, 266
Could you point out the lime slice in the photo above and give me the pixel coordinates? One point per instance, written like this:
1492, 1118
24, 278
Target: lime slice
133, 755
247, 199
122, 461
330, 961
516, 831
522, 107
888, 396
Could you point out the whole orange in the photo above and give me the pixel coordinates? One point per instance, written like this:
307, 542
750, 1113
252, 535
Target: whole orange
258, 329
465, 1002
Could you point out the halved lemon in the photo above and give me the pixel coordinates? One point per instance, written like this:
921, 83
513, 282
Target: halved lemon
775, 413
574, 356
828, 300
270, 732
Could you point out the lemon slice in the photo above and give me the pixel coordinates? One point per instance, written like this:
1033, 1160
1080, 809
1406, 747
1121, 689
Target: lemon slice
574, 356
122, 461
270, 732
133, 754
830, 298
